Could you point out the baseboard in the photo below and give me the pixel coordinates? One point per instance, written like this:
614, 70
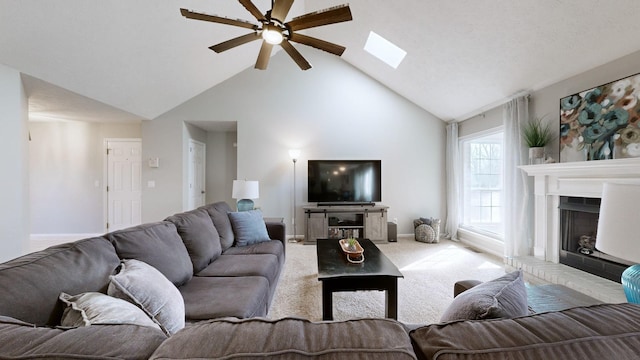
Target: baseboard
481, 242
42, 241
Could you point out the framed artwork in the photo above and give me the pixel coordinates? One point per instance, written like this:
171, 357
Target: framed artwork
601, 123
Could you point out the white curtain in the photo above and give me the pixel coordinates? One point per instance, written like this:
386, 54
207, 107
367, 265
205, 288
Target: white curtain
453, 182
517, 221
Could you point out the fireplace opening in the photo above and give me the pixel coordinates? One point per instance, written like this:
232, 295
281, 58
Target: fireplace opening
578, 227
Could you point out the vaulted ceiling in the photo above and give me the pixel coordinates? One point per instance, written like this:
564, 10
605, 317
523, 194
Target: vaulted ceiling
129, 60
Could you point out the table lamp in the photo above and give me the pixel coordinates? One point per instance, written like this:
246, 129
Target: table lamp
245, 191
619, 232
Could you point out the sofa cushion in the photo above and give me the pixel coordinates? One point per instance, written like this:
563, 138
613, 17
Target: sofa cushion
248, 227
240, 297
218, 213
146, 287
94, 308
265, 265
33, 282
199, 236
608, 331
504, 297
20, 340
273, 247
157, 244
289, 338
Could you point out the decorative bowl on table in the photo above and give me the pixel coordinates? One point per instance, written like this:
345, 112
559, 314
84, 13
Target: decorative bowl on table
353, 250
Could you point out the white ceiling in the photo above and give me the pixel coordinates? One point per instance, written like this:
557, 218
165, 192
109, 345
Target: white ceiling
116, 60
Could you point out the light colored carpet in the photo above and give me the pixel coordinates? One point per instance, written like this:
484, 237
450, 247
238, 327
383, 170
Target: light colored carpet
429, 270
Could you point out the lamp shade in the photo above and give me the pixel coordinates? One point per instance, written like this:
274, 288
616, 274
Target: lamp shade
619, 223
244, 189
294, 154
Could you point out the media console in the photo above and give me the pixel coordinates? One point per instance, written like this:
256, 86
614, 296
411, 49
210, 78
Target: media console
339, 222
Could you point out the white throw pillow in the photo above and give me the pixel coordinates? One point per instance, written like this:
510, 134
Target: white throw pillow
146, 287
93, 308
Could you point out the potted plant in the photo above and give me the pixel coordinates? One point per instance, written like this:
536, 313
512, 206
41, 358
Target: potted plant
537, 134
351, 244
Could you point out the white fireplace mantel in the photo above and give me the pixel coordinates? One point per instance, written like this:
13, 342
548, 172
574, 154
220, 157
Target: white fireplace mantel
583, 179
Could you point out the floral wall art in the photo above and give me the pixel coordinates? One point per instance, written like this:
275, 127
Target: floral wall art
601, 123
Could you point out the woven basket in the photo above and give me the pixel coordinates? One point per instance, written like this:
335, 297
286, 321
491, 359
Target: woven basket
427, 233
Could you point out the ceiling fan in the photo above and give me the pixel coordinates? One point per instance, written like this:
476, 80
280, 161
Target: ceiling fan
273, 30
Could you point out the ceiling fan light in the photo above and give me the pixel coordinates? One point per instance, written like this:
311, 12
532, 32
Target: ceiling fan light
272, 35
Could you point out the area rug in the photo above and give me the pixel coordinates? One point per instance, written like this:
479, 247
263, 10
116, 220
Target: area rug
430, 271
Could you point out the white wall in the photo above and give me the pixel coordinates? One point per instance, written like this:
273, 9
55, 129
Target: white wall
14, 182
330, 112
67, 175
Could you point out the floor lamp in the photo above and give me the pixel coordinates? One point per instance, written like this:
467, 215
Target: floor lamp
294, 154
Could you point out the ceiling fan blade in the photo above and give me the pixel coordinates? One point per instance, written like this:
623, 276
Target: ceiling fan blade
264, 56
323, 17
281, 9
295, 55
318, 44
224, 46
253, 10
217, 19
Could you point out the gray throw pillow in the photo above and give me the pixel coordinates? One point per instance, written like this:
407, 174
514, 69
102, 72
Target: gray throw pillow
504, 297
199, 236
93, 308
146, 287
248, 227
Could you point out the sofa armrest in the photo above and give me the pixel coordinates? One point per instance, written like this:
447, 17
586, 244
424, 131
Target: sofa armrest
464, 285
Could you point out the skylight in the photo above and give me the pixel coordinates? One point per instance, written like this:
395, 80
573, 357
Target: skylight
384, 50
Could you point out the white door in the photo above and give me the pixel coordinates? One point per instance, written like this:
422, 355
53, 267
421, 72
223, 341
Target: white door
197, 151
124, 158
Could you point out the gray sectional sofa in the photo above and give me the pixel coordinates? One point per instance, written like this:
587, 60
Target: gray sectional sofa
196, 251
218, 271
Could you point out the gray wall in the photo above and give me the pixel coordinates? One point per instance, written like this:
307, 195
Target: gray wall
67, 174
14, 182
546, 101
330, 112
221, 165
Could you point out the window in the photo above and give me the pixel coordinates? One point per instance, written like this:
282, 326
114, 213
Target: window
482, 183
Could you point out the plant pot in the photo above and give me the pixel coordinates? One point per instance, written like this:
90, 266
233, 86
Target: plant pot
536, 155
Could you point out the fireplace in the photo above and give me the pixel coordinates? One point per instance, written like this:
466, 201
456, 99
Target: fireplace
578, 226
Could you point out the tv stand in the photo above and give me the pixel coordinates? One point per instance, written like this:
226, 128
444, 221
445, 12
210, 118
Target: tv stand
363, 220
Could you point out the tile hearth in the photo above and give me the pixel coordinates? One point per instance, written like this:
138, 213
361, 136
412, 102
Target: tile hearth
538, 272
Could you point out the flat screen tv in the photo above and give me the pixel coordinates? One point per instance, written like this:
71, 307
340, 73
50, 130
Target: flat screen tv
344, 181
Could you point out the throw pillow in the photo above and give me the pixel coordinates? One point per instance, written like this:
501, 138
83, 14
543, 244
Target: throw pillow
92, 308
504, 297
146, 287
248, 227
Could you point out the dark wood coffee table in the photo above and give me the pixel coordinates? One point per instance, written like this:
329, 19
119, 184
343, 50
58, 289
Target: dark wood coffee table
377, 272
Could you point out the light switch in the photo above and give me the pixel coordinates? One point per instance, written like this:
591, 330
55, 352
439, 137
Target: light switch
151, 184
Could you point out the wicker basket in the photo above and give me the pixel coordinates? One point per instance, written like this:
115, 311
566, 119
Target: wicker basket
428, 233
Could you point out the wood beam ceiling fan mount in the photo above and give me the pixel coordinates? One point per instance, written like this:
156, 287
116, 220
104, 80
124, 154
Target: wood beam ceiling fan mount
273, 30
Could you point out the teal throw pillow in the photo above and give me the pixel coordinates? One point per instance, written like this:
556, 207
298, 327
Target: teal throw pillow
248, 227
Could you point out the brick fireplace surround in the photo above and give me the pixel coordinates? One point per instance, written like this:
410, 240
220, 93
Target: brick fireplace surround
581, 179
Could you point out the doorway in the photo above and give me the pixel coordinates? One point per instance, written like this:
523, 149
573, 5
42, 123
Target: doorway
123, 192
197, 174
